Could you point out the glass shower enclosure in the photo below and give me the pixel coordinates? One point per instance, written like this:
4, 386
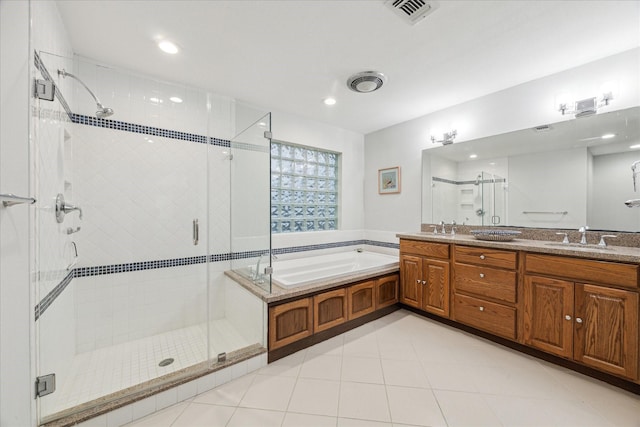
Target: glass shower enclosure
139, 215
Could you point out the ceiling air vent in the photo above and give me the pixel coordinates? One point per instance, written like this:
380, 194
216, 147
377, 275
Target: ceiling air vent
411, 11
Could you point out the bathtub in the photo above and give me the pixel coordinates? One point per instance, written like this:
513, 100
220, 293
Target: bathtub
302, 271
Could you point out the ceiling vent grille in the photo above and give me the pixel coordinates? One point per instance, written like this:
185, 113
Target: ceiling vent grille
411, 11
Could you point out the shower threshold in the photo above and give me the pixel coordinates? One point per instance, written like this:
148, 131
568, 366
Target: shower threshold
98, 386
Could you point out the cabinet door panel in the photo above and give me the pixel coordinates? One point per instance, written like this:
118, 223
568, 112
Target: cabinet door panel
361, 299
435, 293
290, 322
386, 291
411, 272
329, 309
606, 337
548, 315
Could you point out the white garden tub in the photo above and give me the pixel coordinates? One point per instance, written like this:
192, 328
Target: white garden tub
302, 271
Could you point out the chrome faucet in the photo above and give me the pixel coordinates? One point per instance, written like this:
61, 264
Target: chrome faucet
583, 239
453, 228
443, 230
257, 277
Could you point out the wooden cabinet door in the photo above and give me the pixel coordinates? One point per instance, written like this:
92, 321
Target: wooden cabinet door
435, 292
410, 279
329, 309
606, 329
386, 291
361, 299
548, 315
290, 322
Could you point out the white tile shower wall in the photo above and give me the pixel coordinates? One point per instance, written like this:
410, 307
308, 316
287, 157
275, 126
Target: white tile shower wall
57, 343
142, 100
116, 308
139, 195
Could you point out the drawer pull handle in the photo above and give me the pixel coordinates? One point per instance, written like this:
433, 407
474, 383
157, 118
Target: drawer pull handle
481, 308
481, 256
482, 275
567, 317
578, 320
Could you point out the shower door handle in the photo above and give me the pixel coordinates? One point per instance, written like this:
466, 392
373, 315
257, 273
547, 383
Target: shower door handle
196, 232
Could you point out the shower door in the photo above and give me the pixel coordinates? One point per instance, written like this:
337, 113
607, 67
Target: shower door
121, 279
251, 203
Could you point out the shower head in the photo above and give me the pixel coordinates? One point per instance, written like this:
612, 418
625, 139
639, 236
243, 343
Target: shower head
102, 110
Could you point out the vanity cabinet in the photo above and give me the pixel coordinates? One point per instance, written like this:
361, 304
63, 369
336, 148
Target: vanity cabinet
593, 322
425, 276
485, 289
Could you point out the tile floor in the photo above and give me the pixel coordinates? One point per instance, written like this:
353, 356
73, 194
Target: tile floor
405, 370
107, 370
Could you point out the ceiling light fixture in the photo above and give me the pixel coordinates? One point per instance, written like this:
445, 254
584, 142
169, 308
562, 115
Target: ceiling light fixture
586, 107
176, 100
366, 81
608, 136
329, 101
635, 146
155, 100
447, 138
168, 47
473, 156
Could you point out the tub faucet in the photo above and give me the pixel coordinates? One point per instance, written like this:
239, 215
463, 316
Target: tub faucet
257, 276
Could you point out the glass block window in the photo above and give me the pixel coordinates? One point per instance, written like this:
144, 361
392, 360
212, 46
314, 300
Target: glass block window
304, 188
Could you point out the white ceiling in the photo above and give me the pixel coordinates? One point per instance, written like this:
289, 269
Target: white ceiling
290, 55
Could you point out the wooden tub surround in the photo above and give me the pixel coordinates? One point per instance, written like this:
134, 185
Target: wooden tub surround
575, 307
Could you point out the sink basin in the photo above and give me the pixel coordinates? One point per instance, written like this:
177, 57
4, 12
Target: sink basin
579, 246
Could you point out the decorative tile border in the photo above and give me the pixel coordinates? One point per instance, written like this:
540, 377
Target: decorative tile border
151, 265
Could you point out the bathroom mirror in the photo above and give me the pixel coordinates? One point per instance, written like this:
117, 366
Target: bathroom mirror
563, 175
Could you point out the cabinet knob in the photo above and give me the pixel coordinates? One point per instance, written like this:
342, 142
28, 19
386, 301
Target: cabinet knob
481, 256
418, 281
578, 320
482, 275
481, 308
567, 317
424, 282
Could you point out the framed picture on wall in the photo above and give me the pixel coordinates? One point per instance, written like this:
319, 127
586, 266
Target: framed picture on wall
389, 180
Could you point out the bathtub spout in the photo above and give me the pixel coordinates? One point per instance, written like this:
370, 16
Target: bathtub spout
257, 277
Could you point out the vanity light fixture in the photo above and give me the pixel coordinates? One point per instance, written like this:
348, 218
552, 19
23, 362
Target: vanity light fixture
586, 107
168, 47
447, 138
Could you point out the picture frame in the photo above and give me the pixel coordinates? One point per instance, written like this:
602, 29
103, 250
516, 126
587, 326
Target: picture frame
389, 180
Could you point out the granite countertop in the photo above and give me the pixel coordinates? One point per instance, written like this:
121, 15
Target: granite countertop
610, 253
279, 293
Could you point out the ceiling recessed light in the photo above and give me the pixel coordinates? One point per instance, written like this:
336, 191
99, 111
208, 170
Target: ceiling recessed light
329, 101
635, 146
168, 47
175, 99
473, 156
608, 136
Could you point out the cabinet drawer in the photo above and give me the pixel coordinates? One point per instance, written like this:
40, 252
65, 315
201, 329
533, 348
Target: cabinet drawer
486, 257
588, 270
433, 250
491, 317
486, 281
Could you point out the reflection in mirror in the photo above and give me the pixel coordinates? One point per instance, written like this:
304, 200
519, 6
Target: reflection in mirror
563, 175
